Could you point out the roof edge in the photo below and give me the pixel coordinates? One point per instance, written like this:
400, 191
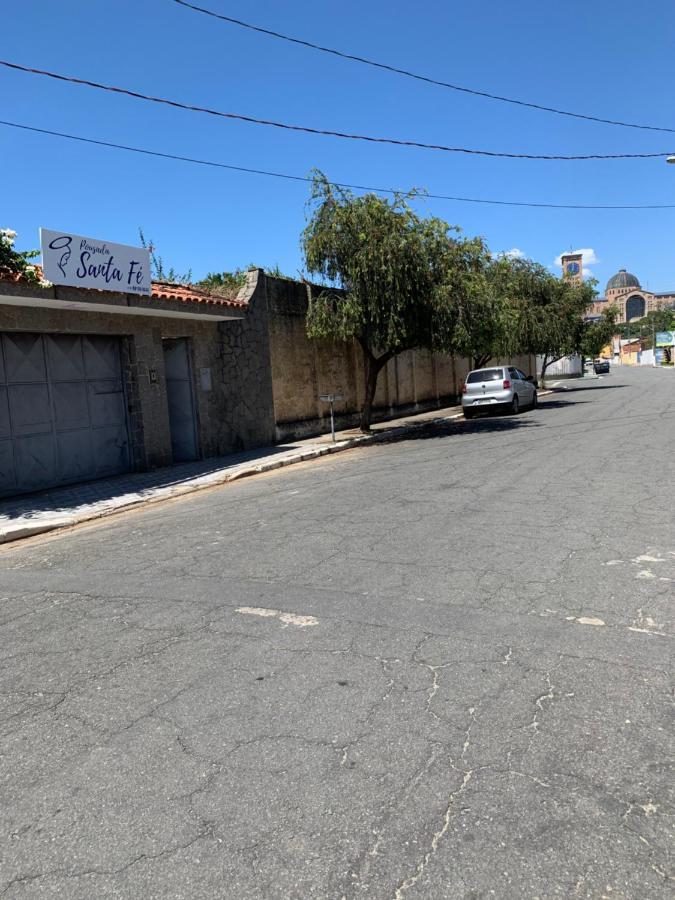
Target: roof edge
160, 290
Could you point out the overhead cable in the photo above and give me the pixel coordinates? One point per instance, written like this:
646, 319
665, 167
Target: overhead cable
417, 76
323, 132
305, 179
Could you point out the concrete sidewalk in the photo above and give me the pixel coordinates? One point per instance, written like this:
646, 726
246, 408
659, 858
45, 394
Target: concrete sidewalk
63, 507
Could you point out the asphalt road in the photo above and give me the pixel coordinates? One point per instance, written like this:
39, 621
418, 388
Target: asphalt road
432, 669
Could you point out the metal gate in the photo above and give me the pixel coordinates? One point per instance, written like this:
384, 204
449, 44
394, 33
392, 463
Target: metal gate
180, 397
62, 410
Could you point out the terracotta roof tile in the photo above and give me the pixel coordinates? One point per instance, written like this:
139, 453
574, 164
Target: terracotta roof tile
188, 293
12, 277
161, 290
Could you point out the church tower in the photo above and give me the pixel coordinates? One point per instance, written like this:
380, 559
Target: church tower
572, 266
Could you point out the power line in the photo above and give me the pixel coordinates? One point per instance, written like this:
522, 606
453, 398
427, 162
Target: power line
415, 75
305, 179
308, 130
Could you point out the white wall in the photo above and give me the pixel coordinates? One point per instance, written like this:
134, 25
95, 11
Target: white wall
567, 366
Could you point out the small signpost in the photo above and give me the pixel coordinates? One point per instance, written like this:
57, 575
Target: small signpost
665, 338
331, 398
664, 342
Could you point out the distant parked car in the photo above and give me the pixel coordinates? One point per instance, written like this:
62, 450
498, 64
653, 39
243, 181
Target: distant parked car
498, 388
601, 366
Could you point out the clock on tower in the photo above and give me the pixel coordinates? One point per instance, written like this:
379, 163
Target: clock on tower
572, 266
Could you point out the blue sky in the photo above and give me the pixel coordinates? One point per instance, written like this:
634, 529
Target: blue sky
612, 59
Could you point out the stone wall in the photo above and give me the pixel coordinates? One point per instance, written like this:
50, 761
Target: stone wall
245, 406
303, 369
234, 413
256, 379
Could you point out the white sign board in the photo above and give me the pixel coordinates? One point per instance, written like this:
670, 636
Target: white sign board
86, 262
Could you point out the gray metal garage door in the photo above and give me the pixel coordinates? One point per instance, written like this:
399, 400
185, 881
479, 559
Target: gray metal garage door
62, 410
180, 399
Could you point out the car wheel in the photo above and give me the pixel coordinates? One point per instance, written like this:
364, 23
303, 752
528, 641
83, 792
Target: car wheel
515, 406
535, 400
468, 413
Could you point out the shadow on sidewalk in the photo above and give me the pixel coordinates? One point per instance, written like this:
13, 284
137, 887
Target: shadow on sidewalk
132, 486
62, 499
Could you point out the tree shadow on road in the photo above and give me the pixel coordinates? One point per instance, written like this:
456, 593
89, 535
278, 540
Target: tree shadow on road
560, 404
441, 428
595, 387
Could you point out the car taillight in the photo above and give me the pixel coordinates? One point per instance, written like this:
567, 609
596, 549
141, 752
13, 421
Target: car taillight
507, 384
464, 388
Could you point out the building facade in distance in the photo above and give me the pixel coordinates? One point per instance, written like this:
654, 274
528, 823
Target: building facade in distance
624, 291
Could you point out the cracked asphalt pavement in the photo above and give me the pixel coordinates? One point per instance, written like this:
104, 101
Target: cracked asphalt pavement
436, 668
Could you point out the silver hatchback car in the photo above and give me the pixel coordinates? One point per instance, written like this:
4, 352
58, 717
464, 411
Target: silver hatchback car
501, 387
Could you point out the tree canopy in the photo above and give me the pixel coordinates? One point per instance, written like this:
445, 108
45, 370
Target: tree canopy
396, 281
596, 335
16, 262
647, 326
548, 311
486, 326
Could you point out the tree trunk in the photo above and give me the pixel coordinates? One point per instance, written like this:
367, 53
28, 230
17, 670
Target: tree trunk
479, 362
371, 371
371, 368
544, 366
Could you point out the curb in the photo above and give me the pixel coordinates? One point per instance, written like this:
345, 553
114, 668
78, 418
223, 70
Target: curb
9, 535
26, 531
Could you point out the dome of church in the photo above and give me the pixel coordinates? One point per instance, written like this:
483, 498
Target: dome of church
622, 279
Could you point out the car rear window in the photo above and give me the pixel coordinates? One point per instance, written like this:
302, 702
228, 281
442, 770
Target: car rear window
485, 375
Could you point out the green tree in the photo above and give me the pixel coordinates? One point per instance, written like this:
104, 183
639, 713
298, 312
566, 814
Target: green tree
396, 280
482, 331
275, 271
16, 262
547, 311
595, 335
225, 283
647, 326
488, 322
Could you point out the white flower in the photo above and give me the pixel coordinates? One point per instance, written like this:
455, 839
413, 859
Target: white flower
8, 233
